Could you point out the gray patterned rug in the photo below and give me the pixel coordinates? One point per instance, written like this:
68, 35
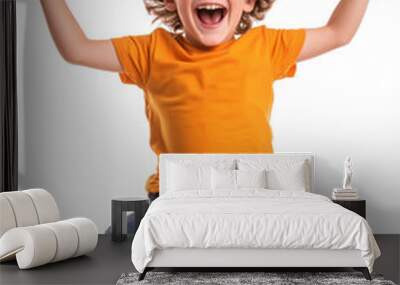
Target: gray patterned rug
243, 278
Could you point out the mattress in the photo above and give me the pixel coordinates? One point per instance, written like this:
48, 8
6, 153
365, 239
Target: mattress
251, 219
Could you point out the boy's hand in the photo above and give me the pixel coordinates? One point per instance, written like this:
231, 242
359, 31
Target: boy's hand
73, 44
339, 31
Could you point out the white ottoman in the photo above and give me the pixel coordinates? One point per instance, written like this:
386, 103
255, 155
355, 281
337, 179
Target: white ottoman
31, 232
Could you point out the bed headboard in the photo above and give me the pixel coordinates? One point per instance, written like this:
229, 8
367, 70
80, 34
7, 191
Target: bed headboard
166, 157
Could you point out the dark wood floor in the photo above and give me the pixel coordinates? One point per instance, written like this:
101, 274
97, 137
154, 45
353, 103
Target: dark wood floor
110, 260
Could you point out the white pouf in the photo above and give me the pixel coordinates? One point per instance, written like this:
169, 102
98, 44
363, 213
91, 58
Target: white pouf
31, 232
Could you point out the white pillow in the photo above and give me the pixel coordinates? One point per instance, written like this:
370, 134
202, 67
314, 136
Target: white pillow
282, 174
223, 178
236, 179
186, 177
287, 179
251, 178
192, 174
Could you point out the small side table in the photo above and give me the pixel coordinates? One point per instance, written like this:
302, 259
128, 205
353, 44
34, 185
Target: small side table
119, 207
357, 206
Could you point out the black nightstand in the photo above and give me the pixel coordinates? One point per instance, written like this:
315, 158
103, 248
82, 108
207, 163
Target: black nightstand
119, 207
357, 206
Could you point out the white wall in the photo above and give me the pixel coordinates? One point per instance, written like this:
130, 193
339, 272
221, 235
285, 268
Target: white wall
84, 136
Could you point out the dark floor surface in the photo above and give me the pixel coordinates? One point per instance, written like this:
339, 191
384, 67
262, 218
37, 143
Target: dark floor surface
110, 260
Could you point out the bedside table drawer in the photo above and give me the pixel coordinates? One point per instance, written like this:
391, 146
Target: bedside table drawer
357, 206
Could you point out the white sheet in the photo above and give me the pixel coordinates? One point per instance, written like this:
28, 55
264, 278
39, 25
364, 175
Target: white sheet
250, 218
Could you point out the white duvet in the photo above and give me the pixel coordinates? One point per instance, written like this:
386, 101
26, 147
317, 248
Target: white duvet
251, 218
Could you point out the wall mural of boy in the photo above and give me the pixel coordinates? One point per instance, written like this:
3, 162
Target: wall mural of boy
208, 82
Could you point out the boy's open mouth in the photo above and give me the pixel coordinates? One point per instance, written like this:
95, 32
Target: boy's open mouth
210, 15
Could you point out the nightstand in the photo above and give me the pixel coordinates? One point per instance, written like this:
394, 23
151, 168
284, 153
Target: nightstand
119, 207
357, 206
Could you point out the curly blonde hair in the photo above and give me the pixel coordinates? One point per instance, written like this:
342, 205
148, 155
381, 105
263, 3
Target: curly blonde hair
171, 19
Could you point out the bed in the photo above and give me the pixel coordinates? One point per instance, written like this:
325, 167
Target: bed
248, 211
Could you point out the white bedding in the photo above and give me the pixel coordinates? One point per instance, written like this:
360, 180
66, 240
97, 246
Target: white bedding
250, 218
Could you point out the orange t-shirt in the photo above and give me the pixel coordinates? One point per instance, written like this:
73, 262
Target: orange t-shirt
217, 100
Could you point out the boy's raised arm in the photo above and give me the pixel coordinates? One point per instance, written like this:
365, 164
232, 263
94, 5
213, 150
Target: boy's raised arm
338, 32
72, 42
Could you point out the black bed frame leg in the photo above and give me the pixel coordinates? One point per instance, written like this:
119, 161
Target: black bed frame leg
143, 274
364, 271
